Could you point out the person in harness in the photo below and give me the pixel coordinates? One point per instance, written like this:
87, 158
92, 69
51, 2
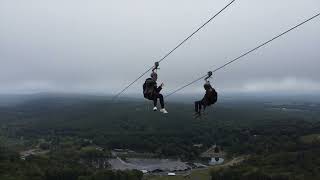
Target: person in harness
209, 98
152, 92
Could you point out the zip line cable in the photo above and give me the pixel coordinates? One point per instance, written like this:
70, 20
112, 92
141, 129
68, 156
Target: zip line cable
175, 48
196, 31
239, 57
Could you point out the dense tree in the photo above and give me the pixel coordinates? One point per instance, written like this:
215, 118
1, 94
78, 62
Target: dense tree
282, 144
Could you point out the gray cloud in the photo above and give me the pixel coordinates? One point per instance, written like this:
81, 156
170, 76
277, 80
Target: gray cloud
100, 46
295, 85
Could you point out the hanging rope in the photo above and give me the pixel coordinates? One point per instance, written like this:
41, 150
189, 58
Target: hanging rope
241, 56
170, 52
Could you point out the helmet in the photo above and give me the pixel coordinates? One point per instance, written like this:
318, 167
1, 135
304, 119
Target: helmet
154, 75
207, 85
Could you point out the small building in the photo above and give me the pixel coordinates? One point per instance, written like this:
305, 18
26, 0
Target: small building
144, 171
214, 151
198, 145
88, 141
216, 161
99, 148
171, 174
215, 154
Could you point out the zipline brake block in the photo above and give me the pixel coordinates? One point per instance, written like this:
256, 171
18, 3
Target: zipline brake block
208, 75
156, 66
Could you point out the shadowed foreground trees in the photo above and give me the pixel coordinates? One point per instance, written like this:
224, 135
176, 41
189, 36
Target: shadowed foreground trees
55, 168
302, 165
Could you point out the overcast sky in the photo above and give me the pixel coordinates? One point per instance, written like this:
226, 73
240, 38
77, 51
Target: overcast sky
99, 46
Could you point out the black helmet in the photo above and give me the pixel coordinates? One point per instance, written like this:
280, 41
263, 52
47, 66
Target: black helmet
154, 75
207, 85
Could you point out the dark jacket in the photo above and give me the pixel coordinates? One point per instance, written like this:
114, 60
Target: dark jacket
210, 97
150, 88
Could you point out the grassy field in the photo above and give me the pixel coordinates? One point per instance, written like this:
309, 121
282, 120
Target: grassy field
309, 139
200, 174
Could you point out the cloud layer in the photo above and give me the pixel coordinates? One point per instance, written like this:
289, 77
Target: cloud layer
101, 46
286, 85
